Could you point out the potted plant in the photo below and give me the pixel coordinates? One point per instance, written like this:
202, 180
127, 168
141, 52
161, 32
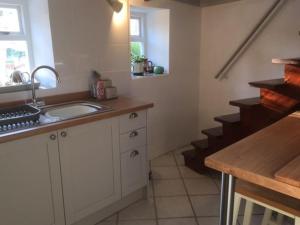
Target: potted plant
137, 65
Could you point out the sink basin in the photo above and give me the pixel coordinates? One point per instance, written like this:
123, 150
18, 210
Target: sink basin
72, 110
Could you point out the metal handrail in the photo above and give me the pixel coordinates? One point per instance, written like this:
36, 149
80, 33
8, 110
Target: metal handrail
254, 33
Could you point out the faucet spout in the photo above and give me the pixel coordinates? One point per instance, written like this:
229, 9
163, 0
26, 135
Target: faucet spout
33, 74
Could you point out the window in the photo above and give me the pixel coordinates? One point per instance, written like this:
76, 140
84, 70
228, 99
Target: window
137, 34
14, 41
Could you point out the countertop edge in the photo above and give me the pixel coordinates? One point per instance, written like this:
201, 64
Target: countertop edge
47, 128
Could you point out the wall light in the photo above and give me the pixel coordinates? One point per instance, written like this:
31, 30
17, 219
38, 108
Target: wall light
116, 5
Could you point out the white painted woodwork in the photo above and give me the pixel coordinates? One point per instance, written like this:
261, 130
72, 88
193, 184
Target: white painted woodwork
133, 170
133, 139
133, 121
90, 164
267, 218
30, 182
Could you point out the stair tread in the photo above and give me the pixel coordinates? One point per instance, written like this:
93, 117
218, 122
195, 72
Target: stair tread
200, 144
269, 84
246, 102
294, 61
214, 132
229, 119
190, 153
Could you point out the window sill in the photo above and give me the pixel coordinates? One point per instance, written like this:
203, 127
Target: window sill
17, 88
149, 75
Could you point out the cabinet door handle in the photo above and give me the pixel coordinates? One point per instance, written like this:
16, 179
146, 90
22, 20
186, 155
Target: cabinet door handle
134, 153
133, 134
52, 137
64, 134
133, 116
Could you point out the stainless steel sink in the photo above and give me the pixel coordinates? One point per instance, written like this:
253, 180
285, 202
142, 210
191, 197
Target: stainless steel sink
72, 110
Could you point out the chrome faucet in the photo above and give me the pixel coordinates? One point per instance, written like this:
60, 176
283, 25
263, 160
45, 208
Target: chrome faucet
34, 101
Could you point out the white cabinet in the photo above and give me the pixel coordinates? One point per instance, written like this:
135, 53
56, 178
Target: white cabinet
30, 182
65, 176
90, 164
133, 148
134, 170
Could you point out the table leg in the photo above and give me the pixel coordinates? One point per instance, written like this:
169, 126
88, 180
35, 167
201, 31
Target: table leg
227, 199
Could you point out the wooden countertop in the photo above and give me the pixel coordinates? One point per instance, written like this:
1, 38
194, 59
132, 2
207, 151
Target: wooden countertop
258, 157
120, 106
290, 173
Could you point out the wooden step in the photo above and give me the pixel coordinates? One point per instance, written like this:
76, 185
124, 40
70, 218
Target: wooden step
200, 144
269, 84
294, 61
246, 103
231, 119
194, 161
216, 132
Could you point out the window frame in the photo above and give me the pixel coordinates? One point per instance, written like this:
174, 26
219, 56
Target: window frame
142, 37
25, 31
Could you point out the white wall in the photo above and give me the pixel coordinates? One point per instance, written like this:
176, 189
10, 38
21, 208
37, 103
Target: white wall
158, 37
86, 36
223, 28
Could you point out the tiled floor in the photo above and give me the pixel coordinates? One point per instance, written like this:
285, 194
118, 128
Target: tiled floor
178, 196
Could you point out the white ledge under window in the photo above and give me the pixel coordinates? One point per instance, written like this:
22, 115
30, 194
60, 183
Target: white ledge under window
18, 88
149, 75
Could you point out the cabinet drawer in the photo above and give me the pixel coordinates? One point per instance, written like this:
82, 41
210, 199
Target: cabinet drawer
133, 139
133, 121
134, 170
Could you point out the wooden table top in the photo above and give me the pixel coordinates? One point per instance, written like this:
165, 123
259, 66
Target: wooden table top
290, 173
258, 157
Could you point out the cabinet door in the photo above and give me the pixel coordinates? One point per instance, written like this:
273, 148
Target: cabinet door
30, 190
90, 163
134, 170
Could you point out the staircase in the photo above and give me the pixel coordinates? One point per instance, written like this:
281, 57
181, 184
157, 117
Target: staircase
278, 98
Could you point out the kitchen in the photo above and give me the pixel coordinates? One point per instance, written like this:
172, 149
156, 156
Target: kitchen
167, 110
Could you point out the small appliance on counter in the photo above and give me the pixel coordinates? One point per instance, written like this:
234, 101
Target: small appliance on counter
102, 89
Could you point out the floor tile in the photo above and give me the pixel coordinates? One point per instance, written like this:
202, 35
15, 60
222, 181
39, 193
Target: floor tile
170, 207
208, 220
107, 223
141, 210
188, 173
178, 221
150, 189
218, 182
164, 160
179, 159
165, 173
203, 186
111, 218
178, 155
256, 220
183, 149
206, 205
168, 188
138, 222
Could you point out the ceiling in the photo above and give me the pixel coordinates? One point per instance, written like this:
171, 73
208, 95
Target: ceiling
203, 3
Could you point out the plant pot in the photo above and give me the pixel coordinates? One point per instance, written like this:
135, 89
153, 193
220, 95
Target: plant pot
137, 69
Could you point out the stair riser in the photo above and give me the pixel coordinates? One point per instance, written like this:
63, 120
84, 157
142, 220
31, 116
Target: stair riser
258, 118
292, 75
277, 102
232, 134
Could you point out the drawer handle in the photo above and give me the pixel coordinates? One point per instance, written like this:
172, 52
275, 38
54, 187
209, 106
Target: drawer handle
133, 116
133, 134
134, 153
64, 134
52, 137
